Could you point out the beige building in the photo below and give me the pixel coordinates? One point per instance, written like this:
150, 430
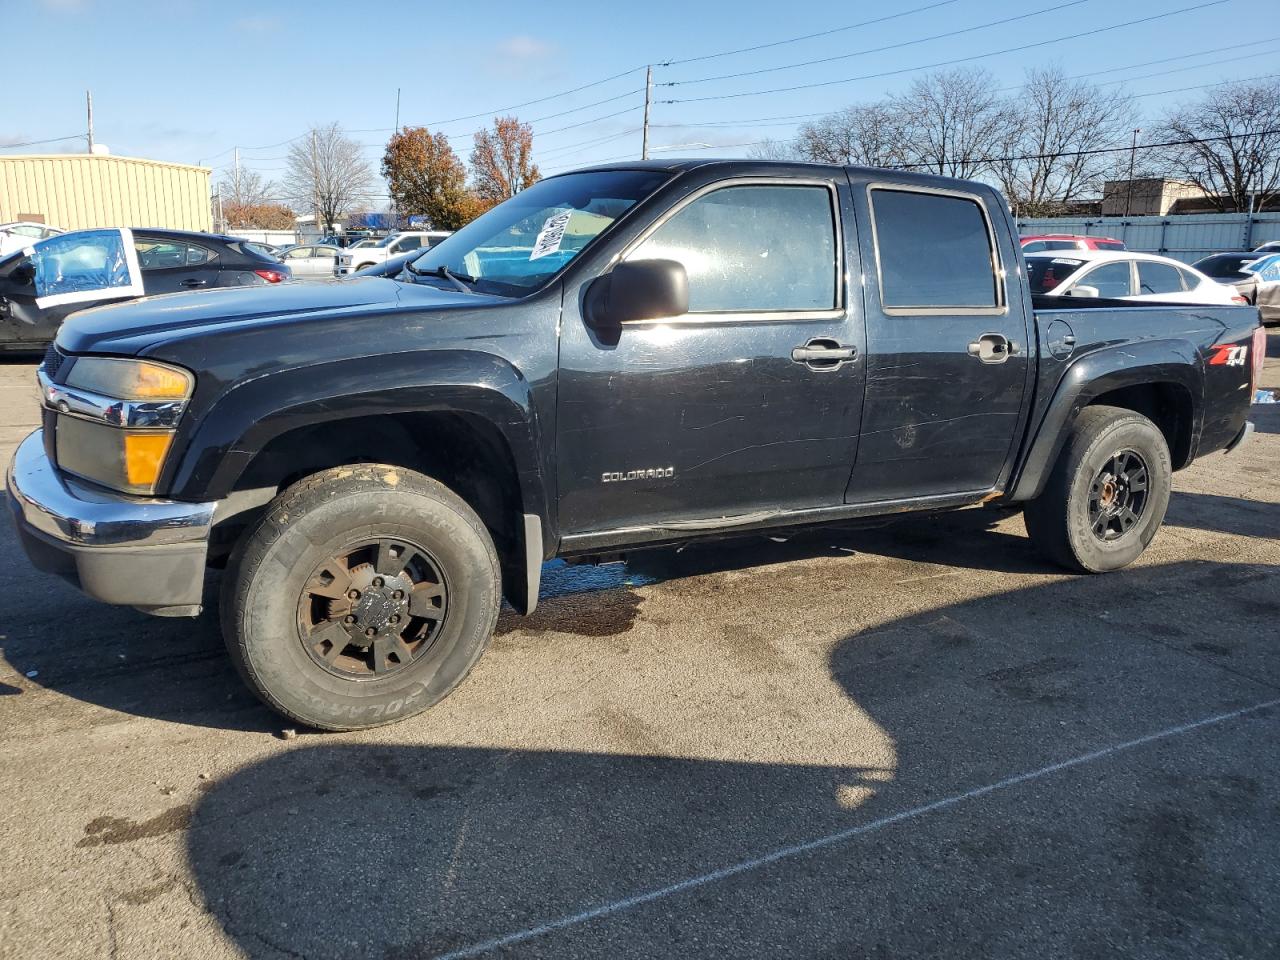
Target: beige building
79, 191
1146, 197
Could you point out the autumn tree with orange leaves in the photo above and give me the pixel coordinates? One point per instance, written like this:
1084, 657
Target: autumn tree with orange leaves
501, 164
427, 178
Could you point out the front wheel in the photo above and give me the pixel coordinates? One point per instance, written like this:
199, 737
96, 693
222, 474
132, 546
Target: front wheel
363, 595
1107, 494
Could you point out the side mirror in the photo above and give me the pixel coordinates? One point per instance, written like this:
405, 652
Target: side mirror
24, 273
638, 290
1084, 290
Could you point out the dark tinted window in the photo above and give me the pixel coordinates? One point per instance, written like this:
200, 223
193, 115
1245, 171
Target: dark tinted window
934, 251
1045, 273
1111, 279
1108, 244
1158, 278
753, 248
1225, 265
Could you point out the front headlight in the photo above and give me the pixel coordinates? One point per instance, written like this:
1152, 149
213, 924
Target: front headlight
118, 419
130, 379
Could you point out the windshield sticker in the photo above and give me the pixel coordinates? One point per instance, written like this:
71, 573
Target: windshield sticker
550, 235
1065, 262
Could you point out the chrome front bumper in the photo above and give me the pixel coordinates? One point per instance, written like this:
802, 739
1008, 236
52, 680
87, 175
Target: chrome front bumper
137, 551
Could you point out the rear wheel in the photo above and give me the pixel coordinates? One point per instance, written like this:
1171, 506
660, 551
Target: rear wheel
1107, 495
365, 594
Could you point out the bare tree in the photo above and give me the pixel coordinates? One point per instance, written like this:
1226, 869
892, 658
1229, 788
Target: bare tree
327, 173
1234, 148
246, 188
1044, 153
868, 134
952, 122
774, 150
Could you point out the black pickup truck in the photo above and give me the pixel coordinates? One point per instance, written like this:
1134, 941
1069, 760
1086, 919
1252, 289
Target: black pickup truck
617, 358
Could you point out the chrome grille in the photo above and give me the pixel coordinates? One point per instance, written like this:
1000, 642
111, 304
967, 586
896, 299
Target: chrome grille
52, 362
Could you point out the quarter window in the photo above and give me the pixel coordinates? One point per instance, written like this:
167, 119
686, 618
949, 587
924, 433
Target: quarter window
1158, 278
753, 248
935, 252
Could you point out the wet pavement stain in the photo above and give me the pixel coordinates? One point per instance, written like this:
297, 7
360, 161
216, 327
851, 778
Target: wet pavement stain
101, 831
604, 614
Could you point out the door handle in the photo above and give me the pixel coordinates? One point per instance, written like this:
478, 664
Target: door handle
823, 353
993, 348
193, 282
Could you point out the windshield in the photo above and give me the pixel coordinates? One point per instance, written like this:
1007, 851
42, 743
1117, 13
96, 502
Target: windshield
520, 244
1045, 273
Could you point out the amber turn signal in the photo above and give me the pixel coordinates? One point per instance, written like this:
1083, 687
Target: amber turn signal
143, 457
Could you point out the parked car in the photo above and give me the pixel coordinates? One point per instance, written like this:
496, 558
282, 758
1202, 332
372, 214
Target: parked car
83, 268
20, 234
354, 259
394, 267
1255, 277
311, 261
1067, 241
1123, 276
615, 358
1272, 246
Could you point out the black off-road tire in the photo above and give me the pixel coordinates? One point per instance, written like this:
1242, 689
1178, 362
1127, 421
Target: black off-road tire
264, 593
1058, 521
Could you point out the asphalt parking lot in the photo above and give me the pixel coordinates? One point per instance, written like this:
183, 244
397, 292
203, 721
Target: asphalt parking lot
914, 739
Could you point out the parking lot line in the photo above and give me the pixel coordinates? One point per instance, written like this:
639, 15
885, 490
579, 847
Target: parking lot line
832, 839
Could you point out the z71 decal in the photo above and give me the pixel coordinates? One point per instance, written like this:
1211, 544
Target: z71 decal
1228, 355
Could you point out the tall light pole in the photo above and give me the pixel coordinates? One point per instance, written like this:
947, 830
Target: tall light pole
88, 102
1133, 154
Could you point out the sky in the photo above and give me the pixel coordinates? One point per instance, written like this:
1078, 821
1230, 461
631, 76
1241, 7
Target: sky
190, 81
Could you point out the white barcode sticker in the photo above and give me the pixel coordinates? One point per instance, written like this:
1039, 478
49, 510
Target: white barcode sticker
550, 235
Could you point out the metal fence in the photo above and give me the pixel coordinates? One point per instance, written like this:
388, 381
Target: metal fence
1186, 237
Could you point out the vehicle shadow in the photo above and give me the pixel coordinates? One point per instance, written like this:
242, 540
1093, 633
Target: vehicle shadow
117, 657
1210, 511
338, 849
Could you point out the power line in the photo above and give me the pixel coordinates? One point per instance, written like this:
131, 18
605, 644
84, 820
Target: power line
1145, 146
807, 36
587, 143
527, 103
36, 143
870, 50
945, 63
1185, 56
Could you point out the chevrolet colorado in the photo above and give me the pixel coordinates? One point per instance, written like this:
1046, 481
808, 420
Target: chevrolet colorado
616, 358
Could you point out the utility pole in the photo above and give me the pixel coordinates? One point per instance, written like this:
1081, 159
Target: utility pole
315, 186
1133, 153
239, 195
648, 98
88, 99
397, 109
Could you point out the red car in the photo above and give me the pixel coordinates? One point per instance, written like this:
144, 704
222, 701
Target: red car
1068, 241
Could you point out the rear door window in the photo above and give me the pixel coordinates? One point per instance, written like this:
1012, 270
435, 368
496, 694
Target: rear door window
935, 252
1111, 279
1158, 278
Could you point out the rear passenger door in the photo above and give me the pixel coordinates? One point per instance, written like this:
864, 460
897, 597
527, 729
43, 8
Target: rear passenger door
947, 343
172, 266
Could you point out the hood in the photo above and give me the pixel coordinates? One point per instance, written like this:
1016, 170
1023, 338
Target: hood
132, 326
